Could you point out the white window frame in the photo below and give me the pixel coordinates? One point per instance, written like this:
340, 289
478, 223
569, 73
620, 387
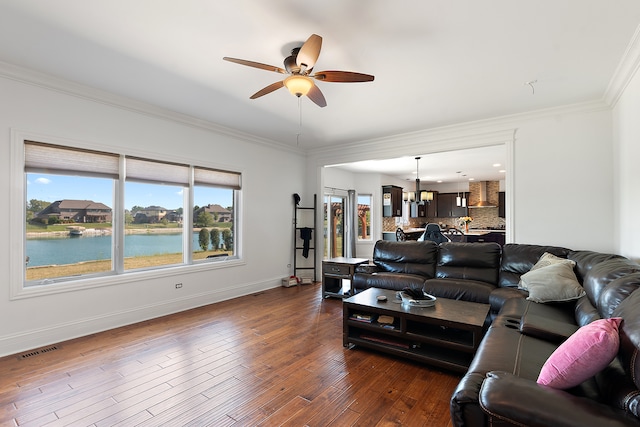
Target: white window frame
17, 232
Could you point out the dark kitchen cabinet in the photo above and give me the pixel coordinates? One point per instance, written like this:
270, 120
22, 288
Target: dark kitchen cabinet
447, 207
501, 205
417, 210
432, 207
391, 200
460, 210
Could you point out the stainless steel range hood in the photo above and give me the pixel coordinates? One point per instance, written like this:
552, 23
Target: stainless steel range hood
483, 202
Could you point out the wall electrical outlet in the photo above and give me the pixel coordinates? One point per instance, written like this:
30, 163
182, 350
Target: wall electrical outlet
178, 285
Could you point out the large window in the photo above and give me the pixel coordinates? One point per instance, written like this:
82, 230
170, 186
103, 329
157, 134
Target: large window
91, 213
62, 208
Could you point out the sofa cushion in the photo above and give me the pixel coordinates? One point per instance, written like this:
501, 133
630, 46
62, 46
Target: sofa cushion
585, 312
508, 400
582, 355
518, 259
555, 282
469, 261
586, 260
629, 310
617, 291
602, 274
406, 257
465, 290
384, 280
517, 308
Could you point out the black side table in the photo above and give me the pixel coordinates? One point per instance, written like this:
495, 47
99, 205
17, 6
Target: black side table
334, 270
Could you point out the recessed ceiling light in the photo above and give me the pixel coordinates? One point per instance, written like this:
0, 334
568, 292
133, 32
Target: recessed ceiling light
439, 181
502, 171
472, 179
496, 165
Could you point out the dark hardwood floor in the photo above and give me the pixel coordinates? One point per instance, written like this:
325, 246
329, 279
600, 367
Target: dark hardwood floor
272, 358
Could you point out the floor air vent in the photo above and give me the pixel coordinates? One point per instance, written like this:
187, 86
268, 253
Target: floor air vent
38, 352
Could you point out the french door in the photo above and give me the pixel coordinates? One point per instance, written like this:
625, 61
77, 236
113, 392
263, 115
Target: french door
334, 207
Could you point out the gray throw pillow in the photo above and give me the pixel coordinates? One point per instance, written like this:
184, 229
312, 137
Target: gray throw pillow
553, 283
548, 258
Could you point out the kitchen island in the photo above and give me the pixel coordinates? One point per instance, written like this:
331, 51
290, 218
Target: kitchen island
475, 235
485, 235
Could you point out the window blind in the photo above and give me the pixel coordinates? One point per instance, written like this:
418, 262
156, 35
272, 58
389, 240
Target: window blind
48, 158
138, 169
217, 178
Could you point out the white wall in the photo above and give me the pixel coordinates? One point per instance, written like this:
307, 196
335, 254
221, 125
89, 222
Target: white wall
626, 126
563, 186
270, 177
561, 171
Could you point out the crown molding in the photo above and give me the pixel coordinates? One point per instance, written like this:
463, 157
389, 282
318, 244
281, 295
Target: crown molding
626, 70
480, 133
67, 87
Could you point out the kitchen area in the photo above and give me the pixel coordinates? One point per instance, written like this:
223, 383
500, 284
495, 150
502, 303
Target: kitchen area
483, 204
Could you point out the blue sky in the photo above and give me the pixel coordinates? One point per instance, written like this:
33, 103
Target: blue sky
58, 187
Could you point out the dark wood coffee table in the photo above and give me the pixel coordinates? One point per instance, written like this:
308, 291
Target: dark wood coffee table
445, 335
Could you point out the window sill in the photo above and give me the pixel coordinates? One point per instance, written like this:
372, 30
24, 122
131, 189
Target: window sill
72, 285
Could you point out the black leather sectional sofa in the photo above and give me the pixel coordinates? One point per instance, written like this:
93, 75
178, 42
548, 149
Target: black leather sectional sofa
500, 387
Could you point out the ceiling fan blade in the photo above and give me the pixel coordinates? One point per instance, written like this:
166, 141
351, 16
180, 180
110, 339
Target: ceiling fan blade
309, 52
316, 96
268, 89
342, 77
256, 65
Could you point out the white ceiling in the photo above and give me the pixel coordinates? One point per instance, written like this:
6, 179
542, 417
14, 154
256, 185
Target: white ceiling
476, 164
435, 62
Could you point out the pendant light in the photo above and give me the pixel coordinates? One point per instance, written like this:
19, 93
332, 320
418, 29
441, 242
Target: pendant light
424, 195
464, 199
460, 201
458, 198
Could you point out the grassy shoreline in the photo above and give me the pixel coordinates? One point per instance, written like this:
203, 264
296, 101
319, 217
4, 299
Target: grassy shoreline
97, 229
100, 266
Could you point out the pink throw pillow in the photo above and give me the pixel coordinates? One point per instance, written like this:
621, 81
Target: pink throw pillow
585, 353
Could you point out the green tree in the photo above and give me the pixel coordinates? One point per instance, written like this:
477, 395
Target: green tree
203, 239
215, 239
53, 220
204, 219
33, 207
136, 208
36, 205
228, 239
128, 218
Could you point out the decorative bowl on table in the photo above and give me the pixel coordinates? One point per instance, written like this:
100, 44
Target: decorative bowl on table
426, 301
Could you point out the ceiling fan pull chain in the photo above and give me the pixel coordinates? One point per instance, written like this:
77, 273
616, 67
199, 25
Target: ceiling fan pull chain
299, 121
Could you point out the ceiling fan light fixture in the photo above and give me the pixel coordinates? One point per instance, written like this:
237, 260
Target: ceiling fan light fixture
298, 85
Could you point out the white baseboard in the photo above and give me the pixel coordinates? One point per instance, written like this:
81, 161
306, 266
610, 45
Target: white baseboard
33, 339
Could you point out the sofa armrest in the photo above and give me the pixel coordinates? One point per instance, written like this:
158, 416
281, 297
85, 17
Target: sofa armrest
511, 400
546, 329
500, 295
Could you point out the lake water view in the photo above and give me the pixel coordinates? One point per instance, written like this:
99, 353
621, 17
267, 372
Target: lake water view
71, 250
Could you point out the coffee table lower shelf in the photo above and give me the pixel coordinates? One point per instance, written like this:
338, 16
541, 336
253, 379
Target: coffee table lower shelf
436, 356
446, 335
